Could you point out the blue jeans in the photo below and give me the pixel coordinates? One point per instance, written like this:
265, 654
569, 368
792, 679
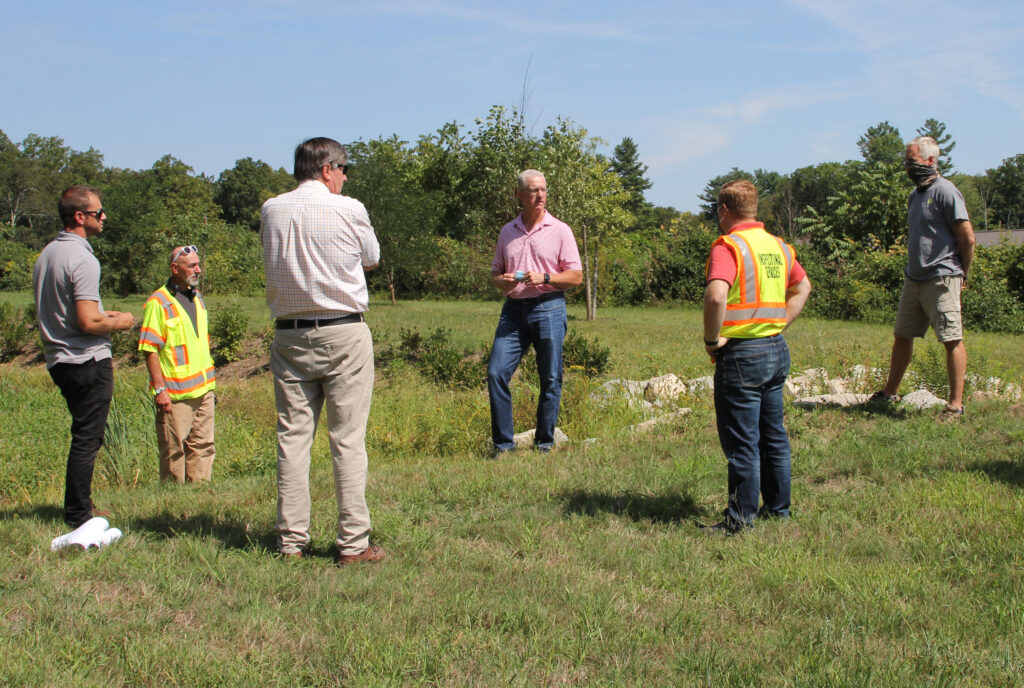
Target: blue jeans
749, 375
541, 322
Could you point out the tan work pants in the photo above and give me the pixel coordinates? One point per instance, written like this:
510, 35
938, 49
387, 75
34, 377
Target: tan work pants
185, 436
329, 366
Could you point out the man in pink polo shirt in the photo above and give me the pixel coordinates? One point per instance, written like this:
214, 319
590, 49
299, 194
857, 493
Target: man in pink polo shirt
535, 262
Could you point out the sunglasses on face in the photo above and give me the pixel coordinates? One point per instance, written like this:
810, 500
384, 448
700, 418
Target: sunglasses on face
184, 251
95, 213
338, 165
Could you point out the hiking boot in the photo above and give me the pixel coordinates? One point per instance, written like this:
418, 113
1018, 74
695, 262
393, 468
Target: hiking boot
372, 554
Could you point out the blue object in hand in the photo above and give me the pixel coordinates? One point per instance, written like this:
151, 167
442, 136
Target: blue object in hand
520, 275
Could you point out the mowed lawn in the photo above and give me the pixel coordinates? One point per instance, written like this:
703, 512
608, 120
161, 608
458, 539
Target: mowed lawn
902, 564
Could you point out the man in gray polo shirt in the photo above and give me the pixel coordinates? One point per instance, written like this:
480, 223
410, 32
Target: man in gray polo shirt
940, 249
75, 332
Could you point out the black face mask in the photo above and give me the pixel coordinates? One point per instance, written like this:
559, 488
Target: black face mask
920, 173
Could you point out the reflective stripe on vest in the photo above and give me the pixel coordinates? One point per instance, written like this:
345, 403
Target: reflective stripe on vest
182, 385
756, 305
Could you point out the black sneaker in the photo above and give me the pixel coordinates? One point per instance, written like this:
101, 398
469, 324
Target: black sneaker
720, 528
880, 398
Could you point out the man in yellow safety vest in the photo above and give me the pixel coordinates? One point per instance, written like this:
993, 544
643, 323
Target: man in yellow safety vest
755, 288
176, 342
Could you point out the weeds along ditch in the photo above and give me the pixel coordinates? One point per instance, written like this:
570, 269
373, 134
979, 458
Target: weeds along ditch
430, 398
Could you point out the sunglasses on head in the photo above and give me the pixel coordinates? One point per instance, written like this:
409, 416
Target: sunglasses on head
184, 251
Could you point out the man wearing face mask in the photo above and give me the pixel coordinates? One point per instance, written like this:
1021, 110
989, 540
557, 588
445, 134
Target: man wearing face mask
176, 343
940, 249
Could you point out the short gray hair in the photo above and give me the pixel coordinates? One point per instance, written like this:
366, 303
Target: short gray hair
524, 177
926, 147
312, 154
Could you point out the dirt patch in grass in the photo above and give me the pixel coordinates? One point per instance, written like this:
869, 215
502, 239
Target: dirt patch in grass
254, 360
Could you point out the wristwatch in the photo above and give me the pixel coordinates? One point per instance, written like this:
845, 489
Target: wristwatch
547, 278
158, 390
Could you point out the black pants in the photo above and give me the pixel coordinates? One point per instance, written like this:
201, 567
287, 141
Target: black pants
87, 389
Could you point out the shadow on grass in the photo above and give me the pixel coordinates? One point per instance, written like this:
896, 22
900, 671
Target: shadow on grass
231, 534
40, 512
666, 508
1005, 471
895, 411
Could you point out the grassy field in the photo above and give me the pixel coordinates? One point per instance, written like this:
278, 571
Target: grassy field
902, 564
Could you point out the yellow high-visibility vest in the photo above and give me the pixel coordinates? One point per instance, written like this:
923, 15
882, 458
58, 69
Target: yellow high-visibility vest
184, 353
756, 306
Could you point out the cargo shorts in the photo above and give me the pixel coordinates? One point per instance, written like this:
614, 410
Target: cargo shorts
934, 302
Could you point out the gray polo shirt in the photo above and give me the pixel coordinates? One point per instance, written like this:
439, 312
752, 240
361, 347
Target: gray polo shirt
65, 272
931, 244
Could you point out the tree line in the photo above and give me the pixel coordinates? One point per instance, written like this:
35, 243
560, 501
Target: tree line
437, 204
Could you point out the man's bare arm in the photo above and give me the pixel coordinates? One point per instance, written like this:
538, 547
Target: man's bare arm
92, 321
796, 297
964, 234
156, 379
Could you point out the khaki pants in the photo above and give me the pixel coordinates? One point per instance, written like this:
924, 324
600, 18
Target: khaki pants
185, 436
315, 367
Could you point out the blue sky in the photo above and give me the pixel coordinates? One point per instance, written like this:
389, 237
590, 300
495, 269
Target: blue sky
700, 88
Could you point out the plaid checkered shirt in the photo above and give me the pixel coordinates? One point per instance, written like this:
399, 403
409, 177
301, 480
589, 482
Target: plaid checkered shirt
315, 245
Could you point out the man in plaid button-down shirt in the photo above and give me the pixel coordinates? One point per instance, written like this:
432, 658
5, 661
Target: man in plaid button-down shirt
317, 245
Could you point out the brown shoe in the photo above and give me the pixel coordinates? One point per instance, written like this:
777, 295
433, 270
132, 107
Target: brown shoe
372, 554
297, 554
951, 415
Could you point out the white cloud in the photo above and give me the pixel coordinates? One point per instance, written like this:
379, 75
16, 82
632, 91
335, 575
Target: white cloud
519, 20
681, 140
932, 48
753, 109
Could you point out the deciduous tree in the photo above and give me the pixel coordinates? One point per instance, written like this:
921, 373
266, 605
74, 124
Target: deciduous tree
1008, 192
584, 193
385, 177
241, 190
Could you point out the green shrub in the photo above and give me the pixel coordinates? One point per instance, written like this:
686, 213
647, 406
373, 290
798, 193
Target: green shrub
228, 326
233, 261
16, 326
16, 261
864, 287
1015, 271
587, 354
460, 271
436, 358
666, 264
125, 343
991, 303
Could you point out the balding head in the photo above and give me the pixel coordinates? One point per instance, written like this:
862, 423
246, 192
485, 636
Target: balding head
185, 268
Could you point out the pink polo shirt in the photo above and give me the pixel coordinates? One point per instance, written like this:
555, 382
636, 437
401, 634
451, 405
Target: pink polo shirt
550, 248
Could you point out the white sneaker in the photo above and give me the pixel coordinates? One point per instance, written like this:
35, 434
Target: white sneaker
82, 536
107, 537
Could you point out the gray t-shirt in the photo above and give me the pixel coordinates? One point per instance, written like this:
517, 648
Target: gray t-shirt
65, 272
931, 244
